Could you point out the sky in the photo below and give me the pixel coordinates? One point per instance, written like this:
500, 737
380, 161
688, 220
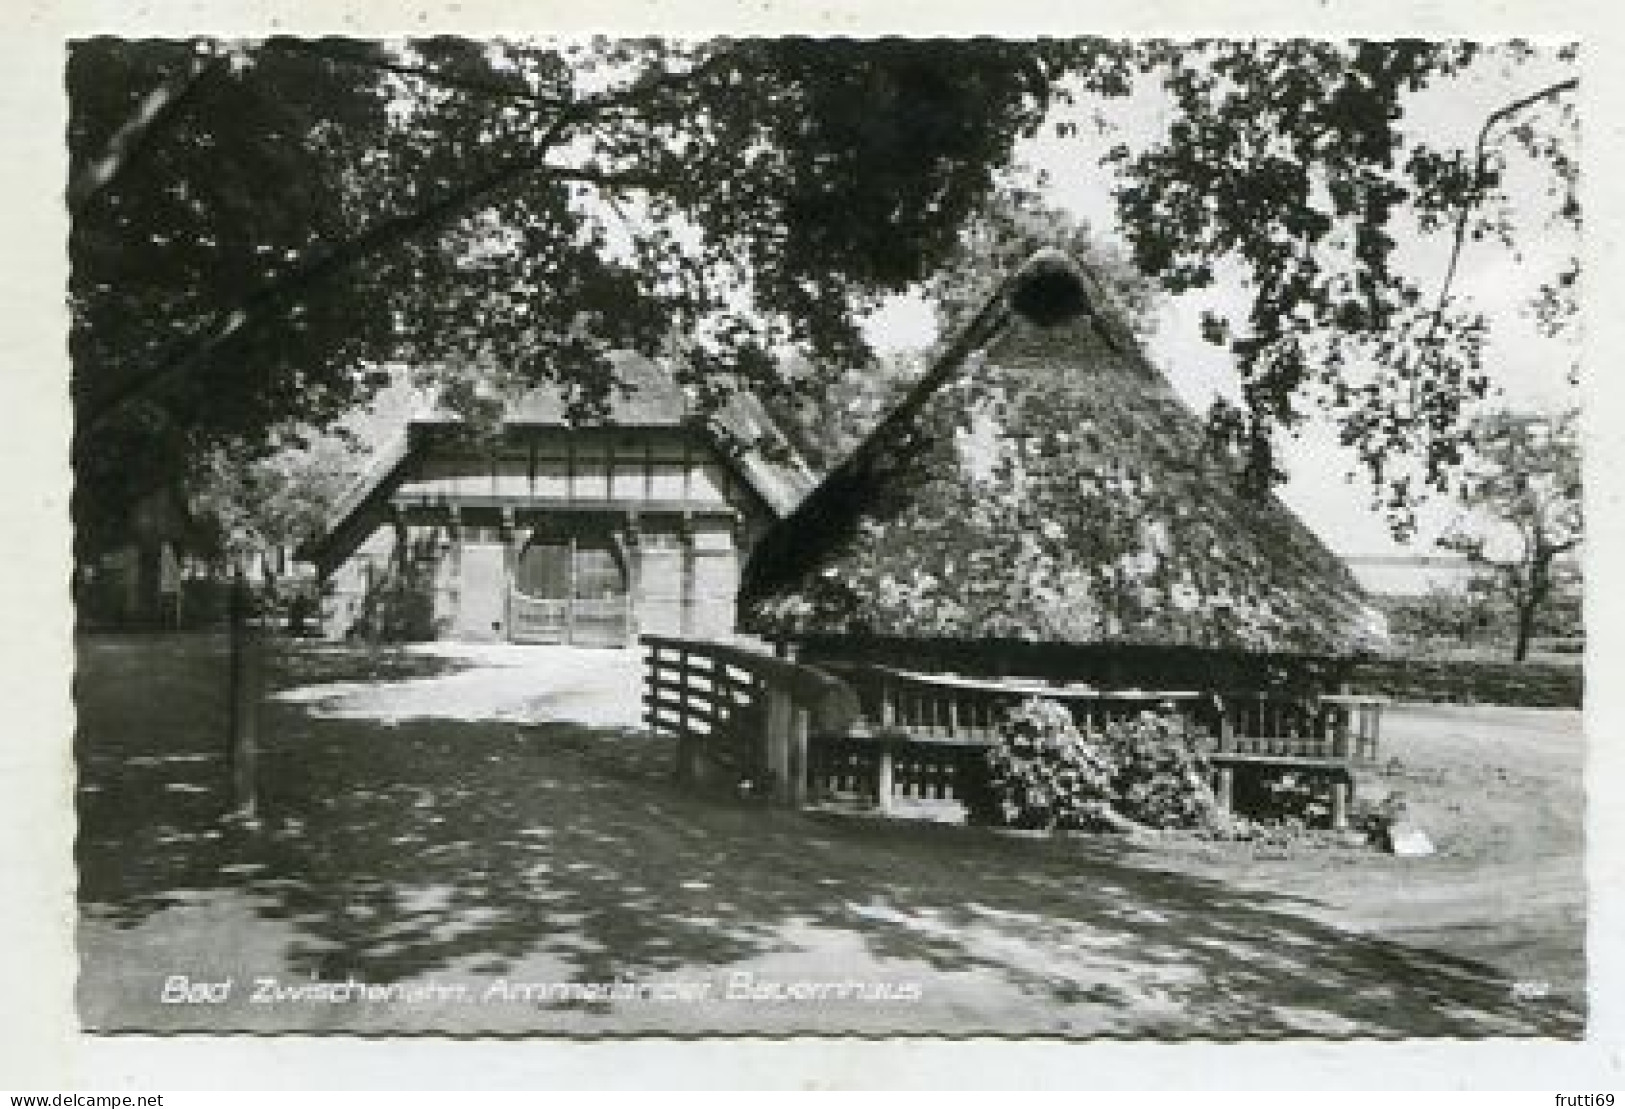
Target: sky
1529, 371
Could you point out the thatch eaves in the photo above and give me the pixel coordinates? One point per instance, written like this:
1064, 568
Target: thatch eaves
1052, 489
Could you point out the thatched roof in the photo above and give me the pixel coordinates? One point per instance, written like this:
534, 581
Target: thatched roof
643, 394
1051, 489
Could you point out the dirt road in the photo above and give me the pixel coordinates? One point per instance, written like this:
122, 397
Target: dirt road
477, 841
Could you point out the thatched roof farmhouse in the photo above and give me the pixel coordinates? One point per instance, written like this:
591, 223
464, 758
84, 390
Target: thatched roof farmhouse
556, 530
1048, 502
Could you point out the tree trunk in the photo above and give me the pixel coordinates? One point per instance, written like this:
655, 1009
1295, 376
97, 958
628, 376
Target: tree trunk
246, 679
1526, 631
1529, 604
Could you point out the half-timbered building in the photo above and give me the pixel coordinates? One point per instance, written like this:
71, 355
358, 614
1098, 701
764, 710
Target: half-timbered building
556, 530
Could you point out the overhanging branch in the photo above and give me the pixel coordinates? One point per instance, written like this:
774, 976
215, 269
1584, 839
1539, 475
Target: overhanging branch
282, 290
493, 90
290, 286
1480, 154
155, 110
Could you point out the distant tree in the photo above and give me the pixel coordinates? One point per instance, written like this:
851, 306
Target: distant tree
1523, 496
828, 411
261, 507
1476, 615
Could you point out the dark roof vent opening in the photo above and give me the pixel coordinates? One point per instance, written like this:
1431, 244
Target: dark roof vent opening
1049, 290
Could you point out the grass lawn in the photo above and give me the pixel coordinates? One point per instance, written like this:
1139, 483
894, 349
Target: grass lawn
469, 825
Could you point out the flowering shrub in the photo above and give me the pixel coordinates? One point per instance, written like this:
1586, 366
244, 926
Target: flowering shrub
1045, 773
1161, 777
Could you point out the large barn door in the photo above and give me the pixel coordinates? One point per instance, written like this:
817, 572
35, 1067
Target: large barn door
599, 609
571, 590
540, 612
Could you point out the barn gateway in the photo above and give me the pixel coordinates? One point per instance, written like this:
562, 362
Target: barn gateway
557, 531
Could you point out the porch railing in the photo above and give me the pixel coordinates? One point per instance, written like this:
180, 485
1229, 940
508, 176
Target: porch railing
886, 733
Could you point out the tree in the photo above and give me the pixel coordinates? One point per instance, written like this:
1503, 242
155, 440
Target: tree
265, 504
828, 422
1524, 494
257, 225
1471, 616
1292, 165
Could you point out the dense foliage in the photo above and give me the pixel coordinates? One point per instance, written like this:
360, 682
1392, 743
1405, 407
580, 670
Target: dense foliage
1524, 493
257, 226
1294, 165
838, 405
1481, 619
1057, 491
1046, 773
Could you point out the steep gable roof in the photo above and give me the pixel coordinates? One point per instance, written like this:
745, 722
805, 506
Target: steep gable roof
1052, 489
643, 396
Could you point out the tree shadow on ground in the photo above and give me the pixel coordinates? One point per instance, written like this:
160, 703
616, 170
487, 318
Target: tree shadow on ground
397, 851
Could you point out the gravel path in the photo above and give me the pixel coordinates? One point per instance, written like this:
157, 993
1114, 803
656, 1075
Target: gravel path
478, 838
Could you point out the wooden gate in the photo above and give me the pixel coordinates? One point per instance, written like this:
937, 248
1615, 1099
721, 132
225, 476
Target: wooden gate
571, 590
538, 619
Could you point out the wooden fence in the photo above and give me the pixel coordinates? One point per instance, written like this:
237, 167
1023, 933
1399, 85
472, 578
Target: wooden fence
741, 712
880, 734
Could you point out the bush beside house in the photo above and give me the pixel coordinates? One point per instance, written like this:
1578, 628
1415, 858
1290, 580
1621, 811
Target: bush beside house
1046, 773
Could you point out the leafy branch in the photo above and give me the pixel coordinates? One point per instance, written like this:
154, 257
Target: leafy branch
293, 284
1481, 176
150, 116
435, 75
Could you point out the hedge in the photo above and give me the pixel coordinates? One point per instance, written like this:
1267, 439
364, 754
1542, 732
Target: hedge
1524, 684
